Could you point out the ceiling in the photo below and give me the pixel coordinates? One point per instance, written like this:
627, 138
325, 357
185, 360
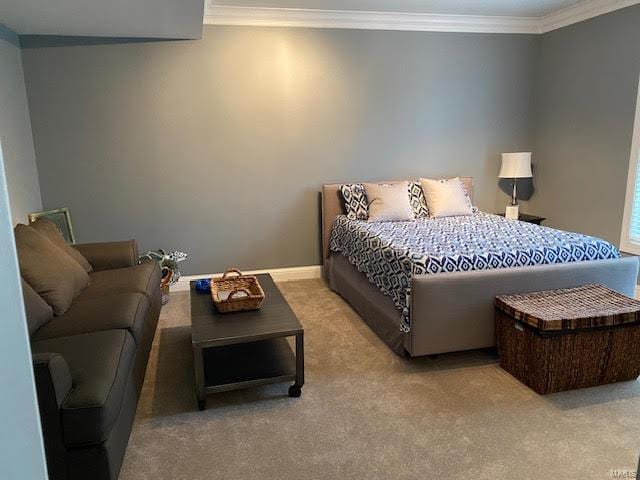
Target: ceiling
512, 8
105, 18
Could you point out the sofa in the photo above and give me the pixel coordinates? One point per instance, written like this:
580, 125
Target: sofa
90, 361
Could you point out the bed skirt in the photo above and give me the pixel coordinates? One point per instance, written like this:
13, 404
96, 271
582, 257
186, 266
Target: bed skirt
375, 308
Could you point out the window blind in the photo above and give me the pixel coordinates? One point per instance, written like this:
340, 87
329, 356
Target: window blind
630, 235
634, 221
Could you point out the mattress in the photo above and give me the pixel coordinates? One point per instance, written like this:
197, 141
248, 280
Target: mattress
390, 253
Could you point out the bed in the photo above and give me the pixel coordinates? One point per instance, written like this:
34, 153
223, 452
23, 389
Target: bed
428, 286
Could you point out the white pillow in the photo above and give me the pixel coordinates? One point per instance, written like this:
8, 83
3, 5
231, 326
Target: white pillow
388, 202
446, 198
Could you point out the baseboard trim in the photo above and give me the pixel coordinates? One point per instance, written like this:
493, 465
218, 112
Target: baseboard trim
279, 275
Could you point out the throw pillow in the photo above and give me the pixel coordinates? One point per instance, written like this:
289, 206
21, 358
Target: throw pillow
355, 201
38, 311
388, 202
417, 200
446, 198
50, 230
55, 276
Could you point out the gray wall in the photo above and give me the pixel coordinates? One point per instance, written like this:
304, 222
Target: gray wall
15, 131
587, 80
21, 448
21, 452
219, 146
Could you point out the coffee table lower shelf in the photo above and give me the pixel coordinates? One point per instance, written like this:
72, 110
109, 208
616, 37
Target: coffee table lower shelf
243, 365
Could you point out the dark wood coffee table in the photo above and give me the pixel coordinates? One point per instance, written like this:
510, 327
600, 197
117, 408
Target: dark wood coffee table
245, 349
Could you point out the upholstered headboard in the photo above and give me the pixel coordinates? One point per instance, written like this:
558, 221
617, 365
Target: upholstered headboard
332, 206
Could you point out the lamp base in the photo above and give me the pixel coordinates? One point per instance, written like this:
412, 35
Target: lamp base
512, 212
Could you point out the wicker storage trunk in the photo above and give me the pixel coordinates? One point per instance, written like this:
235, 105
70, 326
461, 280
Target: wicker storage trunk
567, 339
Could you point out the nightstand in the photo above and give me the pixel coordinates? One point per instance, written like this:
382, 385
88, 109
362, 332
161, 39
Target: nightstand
523, 217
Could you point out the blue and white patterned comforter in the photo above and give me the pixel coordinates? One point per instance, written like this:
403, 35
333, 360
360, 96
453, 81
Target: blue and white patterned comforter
389, 253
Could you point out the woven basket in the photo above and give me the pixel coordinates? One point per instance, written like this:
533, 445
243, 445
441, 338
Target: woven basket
164, 285
244, 292
570, 338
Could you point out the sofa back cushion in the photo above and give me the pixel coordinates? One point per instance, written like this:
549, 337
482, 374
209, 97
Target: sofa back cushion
49, 229
53, 274
38, 311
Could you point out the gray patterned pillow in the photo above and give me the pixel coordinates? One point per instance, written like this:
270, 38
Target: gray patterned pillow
355, 201
417, 200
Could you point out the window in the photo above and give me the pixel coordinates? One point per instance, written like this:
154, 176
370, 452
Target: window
630, 237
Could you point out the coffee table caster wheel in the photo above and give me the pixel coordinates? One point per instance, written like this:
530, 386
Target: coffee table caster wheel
202, 404
295, 391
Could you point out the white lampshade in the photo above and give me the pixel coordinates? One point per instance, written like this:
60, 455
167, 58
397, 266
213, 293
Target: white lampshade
516, 165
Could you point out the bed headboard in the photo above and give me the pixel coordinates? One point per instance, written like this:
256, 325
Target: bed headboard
332, 207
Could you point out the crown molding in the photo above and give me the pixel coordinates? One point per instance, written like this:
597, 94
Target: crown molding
296, 17
312, 18
580, 12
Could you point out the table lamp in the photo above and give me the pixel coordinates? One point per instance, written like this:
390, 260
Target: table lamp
515, 165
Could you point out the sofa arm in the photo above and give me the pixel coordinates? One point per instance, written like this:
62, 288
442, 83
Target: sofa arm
52, 377
110, 255
53, 384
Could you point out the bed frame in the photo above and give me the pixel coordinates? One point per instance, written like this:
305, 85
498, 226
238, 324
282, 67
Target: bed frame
454, 311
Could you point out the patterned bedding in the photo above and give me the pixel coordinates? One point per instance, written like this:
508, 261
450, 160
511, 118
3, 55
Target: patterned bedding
389, 253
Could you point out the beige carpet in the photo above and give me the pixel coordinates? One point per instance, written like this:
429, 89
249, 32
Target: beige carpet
367, 414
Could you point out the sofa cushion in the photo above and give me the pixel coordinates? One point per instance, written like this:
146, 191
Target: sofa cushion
143, 278
38, 311
121, 310
56, 277
100, 364
49, 229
